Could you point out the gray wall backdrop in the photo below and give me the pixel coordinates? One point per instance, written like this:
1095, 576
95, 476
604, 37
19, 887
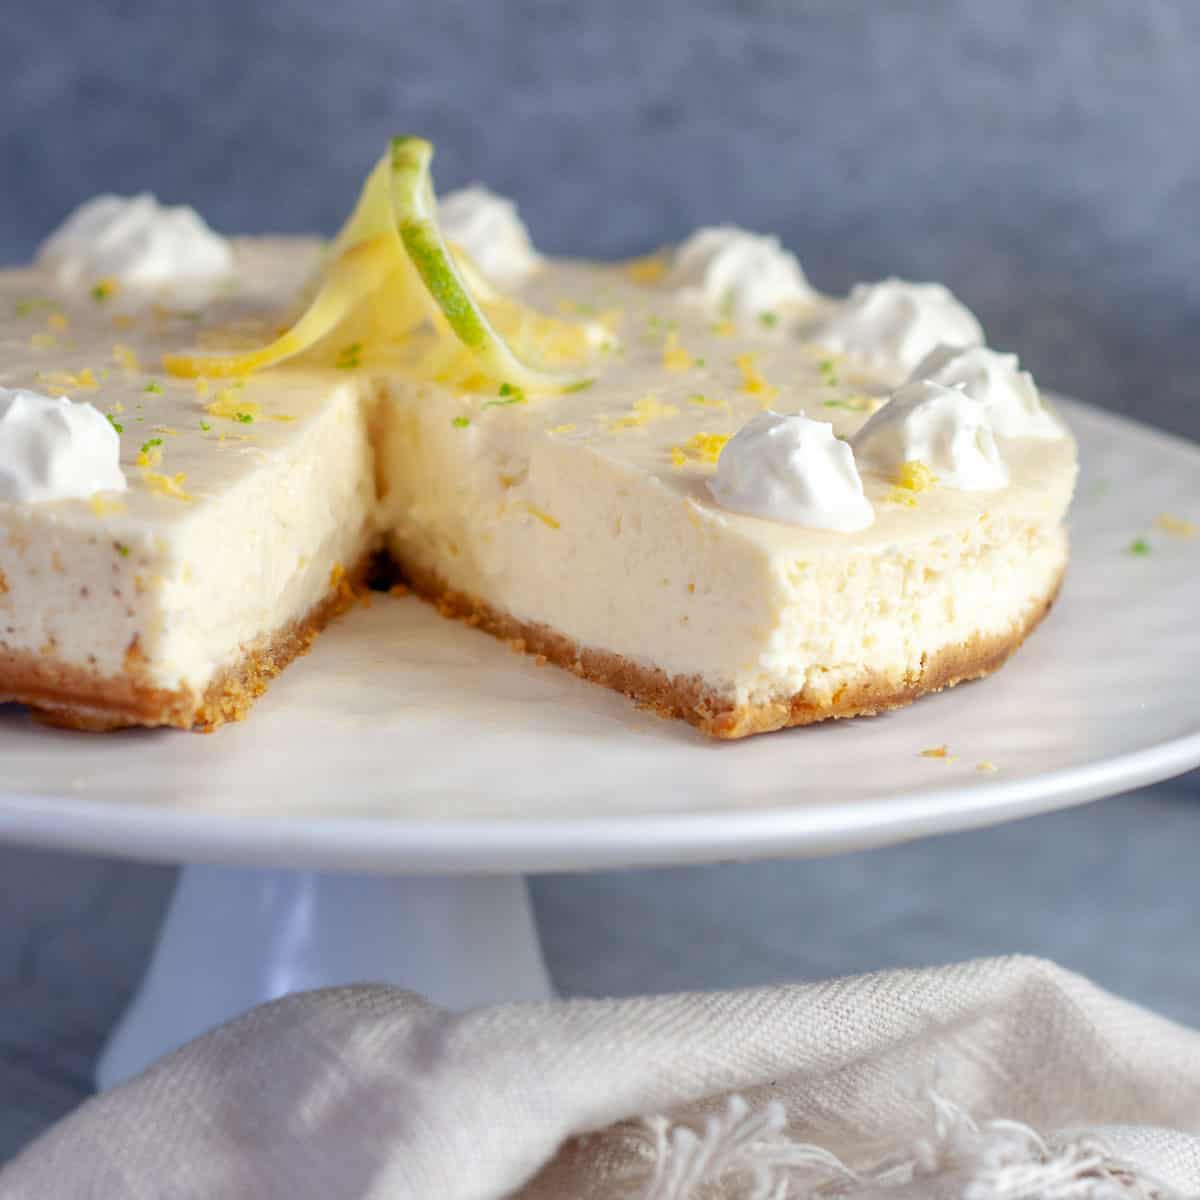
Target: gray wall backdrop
1040, 156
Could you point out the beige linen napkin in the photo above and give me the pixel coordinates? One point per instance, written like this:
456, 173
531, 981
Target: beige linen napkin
994, 1080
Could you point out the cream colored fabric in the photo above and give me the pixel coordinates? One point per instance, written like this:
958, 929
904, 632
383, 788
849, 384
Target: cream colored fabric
993, 1080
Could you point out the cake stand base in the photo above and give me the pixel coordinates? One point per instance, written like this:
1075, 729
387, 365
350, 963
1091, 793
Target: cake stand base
234, 938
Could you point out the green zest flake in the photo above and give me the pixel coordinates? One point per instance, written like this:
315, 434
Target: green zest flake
581, 386
148, 446
509, 394
769, 319
155, 389
828, 370
122, 549
350, 357
203, 425
115, 423
1139, 547
461, 422
697, 362
101, 292
244, 418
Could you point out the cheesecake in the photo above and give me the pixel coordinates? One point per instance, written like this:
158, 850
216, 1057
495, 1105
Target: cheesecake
690, 477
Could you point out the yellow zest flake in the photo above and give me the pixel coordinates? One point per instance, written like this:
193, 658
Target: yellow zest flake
282, 417
942, 752
645, 410
543, 516
124, 356
649, 269
725, 328
707, 446
42, 341
704, 402
752, 378
102, 505
230, 404
201, 387
915, 476
678, 456
105, 289
675, 357
59, 383
568, 428
1176, 526
912, 477
58, 322
986, 767
165, 485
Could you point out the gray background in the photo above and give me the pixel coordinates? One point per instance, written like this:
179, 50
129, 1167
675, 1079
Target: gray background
1040, 157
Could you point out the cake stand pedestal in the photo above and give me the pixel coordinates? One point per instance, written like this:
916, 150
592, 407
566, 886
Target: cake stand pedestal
236, 937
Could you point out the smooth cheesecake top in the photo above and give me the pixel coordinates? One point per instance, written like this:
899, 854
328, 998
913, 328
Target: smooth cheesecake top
671, 382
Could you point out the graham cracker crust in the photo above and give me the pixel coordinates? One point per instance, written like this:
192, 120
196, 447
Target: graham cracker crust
71, 697
690, 699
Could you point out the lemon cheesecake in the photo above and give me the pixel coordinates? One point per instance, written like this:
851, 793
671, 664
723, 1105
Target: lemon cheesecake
691, 477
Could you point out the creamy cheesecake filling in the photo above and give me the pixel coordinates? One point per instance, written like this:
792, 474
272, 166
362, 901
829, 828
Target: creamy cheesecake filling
588, 513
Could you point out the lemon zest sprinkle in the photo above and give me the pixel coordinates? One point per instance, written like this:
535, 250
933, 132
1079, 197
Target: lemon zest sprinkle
1178, 527
752, 378
648, 269
647, 409
543, 516
567, 428
58, 322
102, 505
125, 356
229, 404
675, 357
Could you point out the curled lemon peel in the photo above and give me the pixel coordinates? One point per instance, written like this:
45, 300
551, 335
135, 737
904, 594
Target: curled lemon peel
425, 297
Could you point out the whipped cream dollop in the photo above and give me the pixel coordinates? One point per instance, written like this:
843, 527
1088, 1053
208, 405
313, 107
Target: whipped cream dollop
140, 250
792, 469
55, 449
1014, 405
738, 274
895, 324
941, 427
489, 229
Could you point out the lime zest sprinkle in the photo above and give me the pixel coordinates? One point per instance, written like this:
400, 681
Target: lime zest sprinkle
461, 422
349, 357
153, 387
244, 417
122, 549
1139, 547
115, 423
768, 319
203, 425
104, 289
828, 369
581, 386
148, 446
509, 394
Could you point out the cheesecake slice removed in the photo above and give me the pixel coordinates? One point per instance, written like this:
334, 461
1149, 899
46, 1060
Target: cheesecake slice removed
691, 478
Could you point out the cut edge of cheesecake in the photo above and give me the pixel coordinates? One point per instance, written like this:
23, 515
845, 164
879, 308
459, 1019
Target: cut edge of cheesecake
67, 696
691, 699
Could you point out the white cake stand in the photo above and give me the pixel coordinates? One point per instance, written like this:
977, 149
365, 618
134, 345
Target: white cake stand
374, 819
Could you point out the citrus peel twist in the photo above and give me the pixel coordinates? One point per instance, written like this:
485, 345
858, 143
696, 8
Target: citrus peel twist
392, 273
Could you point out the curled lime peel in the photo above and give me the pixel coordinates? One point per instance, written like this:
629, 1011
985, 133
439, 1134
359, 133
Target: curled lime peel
391, 253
